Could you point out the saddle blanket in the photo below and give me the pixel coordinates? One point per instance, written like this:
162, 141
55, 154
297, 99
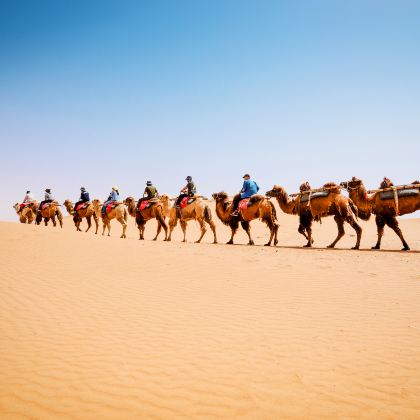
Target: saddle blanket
243, 204
409, 192
145, 204
305, 197
23, 205
185, 201
46, 205
106, 208
82, 206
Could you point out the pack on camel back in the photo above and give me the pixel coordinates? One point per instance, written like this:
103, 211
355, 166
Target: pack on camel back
388, 191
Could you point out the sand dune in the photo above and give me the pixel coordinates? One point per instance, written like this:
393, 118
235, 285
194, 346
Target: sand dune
98, 327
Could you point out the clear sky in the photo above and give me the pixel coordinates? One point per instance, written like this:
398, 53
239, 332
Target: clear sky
102, 93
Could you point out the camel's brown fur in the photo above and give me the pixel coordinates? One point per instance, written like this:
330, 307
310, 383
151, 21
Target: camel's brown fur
198, 210
87, 212
335, 204
384, 210
259, 208
157, 211
50, 212
119, 212
28, 213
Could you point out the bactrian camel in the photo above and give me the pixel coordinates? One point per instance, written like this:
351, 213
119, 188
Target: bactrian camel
157, 210
258, 208
85, 212
384, 205
119, 212
198, 210
50, 211
28, 213
332, 203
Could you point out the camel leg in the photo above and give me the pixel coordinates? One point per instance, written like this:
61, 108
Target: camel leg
46, 219
103, 227
184, 229
141, 226
172, 224
95, 218
380, 224
247, 228
89, 222
161, 224
274, 227
233, 227
358, 230
124, 226
159, 229
340, 226
392, 222
203, 230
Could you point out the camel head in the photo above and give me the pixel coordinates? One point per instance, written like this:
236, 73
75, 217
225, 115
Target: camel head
16, 207
96, 203
305, 187
276, 191
352, 184
165, 199
221, 196
68, 204
129, 200
386, 183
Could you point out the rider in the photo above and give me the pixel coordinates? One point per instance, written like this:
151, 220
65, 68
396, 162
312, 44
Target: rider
84, 197
150, 192
114, 195
29, 198
190, 190
249, 188
47, 199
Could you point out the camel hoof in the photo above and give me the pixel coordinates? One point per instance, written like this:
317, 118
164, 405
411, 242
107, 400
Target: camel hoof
251, 243
196, 242
330, 246
355, 247
268, 244
376, 247
276, 242
308, 245
229, 243
215, 242
406, 248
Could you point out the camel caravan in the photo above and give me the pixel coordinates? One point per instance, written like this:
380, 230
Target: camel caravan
310, 205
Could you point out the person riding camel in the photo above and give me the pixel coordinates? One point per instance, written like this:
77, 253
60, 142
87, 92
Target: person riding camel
84, 198
249, 188
29, 198
150, 192
190, 190
114, 195
48, 198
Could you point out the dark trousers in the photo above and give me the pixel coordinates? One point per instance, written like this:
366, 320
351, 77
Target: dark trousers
44, 202
178, 202
236, 201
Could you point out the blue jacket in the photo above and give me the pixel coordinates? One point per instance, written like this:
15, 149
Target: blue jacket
249, 188
113, 196
84, 196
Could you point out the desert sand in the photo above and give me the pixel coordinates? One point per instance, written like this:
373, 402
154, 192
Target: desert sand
98, 327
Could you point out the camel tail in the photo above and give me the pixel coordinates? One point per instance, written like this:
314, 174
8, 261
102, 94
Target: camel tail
207, 214
354, 209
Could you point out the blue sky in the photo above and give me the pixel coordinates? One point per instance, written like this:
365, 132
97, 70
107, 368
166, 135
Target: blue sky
98, 93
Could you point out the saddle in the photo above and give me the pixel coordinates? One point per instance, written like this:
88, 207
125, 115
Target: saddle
82, 206
186, 201
145, 204
108, 207
305, 196
47, 205
409, 192
243, 204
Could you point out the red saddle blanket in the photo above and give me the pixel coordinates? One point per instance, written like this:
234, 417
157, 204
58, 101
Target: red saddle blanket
46, 205
82, 206
243, 204
185, 201
146, 204
23, 205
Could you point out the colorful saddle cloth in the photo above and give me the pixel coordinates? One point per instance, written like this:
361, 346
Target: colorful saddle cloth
185, 201
243, 204
46, 205
81, 206
389, 195
145, 204
305, 197
106, 208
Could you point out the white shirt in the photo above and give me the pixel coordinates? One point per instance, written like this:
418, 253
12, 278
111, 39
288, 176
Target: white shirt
29, 198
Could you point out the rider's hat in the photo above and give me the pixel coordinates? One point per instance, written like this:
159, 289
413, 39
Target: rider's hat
188, 178
27, 192
115, 188
82, 189
47, 190
247, 175
149, 183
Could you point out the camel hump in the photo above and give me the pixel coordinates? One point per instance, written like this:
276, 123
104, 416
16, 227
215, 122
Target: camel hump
386, 183
255, 199
332, 186
415, 182
305, 186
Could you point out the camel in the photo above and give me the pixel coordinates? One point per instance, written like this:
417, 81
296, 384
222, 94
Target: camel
157, 210
86, 212
198, 210
48, 213
323, 204
386, 208
258, 208
28, 213
118, 212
